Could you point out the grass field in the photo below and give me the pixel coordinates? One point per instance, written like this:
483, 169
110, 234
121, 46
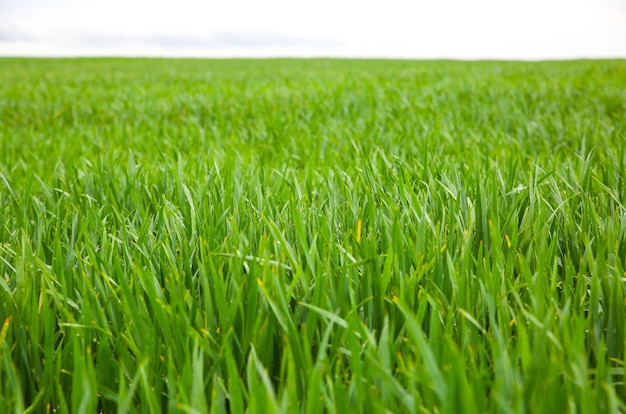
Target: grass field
312, 236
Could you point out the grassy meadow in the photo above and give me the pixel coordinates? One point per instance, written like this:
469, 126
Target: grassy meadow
312, 236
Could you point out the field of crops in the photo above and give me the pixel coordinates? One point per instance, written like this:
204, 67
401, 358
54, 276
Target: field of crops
312, 236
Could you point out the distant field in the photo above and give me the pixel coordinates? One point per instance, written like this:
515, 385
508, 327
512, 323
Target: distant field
312, 235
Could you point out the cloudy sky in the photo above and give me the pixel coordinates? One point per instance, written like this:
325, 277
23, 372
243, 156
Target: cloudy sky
459, 29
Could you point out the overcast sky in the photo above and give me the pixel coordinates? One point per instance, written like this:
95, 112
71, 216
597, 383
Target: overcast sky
459, 29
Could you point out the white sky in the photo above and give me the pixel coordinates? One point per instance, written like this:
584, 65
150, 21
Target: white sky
458, 29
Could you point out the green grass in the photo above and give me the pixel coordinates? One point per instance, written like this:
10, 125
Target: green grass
308, 236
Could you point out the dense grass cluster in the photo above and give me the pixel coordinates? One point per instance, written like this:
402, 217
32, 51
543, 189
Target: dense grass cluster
307, 236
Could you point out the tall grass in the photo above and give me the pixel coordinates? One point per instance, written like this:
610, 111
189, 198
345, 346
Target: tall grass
306, 236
